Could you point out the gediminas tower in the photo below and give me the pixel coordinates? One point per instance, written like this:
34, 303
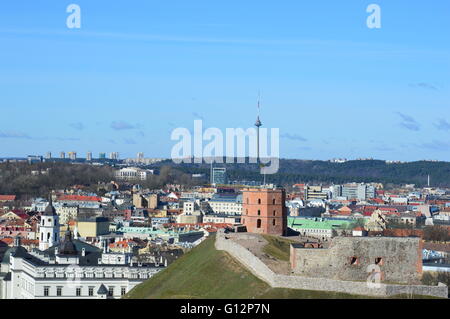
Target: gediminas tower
264, 210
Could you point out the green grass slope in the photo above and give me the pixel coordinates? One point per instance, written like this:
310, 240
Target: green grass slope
277, 247
207, 273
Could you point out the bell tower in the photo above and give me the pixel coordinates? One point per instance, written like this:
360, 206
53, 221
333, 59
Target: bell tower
49, 227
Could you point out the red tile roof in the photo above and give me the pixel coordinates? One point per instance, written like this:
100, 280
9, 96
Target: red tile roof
7, 240
80, 198
7, 197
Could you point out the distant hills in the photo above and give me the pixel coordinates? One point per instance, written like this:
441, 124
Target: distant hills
295, 171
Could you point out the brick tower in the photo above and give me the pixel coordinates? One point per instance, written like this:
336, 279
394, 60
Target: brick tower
264, 210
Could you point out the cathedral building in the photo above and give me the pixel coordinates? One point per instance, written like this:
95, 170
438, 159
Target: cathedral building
69, 268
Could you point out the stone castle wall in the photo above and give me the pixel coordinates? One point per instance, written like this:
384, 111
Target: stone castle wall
263, 272
349, 258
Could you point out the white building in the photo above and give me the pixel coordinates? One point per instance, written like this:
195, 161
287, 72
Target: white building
73, 270
133, 173
228, 205
48, 228
66, 212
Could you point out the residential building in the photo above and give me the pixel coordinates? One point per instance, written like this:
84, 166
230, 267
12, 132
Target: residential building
93, 227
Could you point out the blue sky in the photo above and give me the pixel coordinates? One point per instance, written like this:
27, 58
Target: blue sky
138, 69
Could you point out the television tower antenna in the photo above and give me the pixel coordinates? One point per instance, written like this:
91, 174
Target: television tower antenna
258, 124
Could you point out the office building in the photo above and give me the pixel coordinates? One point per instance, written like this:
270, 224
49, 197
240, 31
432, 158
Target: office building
72, 156
219, 175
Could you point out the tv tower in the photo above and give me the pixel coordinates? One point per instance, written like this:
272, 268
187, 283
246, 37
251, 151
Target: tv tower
257, 124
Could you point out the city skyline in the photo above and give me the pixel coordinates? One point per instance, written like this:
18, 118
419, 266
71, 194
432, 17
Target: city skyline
132, 74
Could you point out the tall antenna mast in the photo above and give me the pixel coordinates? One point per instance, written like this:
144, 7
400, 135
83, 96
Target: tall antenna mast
258, 124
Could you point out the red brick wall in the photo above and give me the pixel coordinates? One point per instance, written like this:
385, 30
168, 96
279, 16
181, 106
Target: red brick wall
264, 208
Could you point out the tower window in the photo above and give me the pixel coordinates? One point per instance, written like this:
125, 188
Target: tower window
273, 201
259, 212
258, 223
259, 200
379, 261
274, 212
273, 222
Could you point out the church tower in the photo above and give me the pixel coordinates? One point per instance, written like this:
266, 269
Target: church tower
49, 227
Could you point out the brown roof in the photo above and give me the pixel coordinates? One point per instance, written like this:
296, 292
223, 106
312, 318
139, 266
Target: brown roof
7, 197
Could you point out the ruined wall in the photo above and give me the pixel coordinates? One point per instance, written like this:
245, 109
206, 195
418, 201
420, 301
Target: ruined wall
260, 270
348, 258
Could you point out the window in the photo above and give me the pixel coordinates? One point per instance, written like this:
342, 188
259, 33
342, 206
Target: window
259, 212
379, 261
354, 261
78, 291
273, 201
91, 291
273, 222
274, 212
59, 291
259, 200
258, 223
123, 291
110, 291
50, 220
46, 291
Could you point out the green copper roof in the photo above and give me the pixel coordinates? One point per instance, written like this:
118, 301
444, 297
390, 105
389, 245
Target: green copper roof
306, 223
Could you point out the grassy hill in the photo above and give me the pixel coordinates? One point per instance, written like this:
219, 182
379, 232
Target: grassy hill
207, 273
